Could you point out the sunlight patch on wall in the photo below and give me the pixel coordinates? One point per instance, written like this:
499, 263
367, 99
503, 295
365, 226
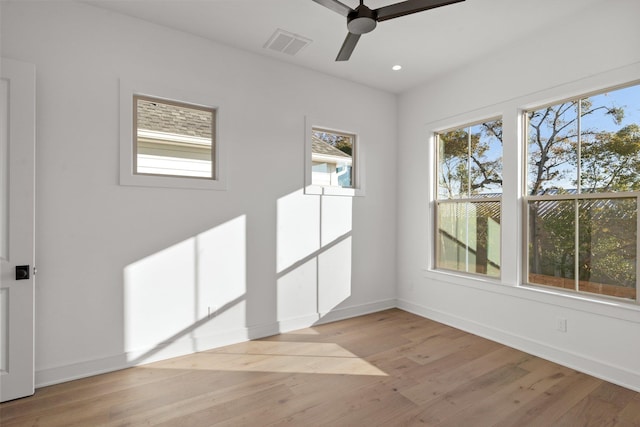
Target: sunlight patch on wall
313, 254
337, 215
297, 293
334, 275
182, 292
298, 228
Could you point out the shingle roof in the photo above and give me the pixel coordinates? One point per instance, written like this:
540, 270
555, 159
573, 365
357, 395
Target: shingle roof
160, 117
318, 146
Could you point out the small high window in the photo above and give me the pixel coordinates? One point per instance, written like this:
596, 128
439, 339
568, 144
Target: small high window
173, 138
332, 156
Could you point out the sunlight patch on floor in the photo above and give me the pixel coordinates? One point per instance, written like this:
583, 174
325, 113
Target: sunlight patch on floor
272, 356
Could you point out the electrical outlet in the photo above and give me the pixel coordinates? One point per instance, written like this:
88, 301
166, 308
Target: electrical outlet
561, 324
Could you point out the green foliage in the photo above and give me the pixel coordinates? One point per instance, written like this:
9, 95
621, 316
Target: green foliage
345, 146
343, 143
610, 161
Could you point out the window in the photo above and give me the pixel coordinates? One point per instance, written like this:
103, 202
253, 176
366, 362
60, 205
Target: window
332, 158
333, 161
170, 137
583, 178
173, 138
468, 201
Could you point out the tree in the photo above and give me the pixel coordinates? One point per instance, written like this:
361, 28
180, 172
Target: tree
343, 143
565, 154
466, 164
610, 161
553, 143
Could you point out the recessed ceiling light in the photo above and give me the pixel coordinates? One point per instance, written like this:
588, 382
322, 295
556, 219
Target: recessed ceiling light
396, 67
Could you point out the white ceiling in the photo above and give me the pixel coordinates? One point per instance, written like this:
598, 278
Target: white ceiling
426, 44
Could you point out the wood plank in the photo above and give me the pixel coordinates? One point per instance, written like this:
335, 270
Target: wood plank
497, 405
599, 408
549, 406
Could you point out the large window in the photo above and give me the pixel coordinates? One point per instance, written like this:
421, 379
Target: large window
468, 202
583, 178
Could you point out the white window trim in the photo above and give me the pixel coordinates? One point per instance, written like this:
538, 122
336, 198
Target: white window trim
358, 163
506, 240
127, 176
512, 281
526, 198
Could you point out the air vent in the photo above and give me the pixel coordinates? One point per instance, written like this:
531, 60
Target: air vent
286, 42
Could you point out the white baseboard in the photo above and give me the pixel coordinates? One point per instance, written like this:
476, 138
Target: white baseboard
87, 368
82, 369
334, 315
596, 368
359, 310
77, 370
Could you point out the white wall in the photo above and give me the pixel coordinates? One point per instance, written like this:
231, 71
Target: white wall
599, 48
132, 274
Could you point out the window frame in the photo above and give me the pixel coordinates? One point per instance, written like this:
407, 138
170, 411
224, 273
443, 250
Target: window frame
173, 103
128, 141
357, 162
574, 198
513, 242
436, 201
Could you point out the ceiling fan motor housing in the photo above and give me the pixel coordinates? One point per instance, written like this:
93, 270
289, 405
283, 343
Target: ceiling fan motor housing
362, 20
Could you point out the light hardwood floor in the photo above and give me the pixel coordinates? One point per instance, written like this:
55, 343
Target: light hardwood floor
385, 369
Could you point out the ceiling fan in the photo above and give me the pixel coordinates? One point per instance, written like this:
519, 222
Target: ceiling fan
362, 20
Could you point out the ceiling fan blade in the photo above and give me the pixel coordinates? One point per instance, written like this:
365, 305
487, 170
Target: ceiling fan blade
408, 7
347, 47
336, 6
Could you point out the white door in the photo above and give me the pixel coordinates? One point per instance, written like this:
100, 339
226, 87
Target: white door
17, 173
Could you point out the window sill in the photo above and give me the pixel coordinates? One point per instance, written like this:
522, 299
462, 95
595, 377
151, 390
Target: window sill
604, 307
130, 179
320, 190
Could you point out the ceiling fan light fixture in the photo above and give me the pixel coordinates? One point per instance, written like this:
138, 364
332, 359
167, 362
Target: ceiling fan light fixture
362, 20
361, 25
396, 67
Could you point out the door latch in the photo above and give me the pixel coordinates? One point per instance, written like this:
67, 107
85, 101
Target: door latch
22, 272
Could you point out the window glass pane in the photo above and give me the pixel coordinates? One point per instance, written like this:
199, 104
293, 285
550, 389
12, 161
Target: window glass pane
469, 237
486, 158
332, 159
453, 164
610, 146
552, 243
470, 161
173, 139
608, 250
552, 148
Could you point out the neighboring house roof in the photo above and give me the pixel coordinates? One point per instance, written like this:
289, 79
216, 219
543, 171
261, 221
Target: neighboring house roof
318, 146
173, 119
